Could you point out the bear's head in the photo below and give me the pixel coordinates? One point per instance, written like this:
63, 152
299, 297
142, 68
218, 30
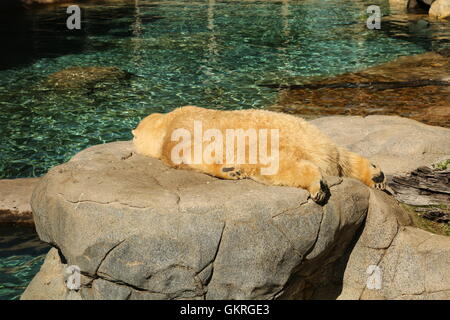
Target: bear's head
149, 135
361, 168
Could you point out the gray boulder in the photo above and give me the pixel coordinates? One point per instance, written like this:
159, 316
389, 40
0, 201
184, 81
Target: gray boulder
50, 283
398, 145
140, 230
410, 263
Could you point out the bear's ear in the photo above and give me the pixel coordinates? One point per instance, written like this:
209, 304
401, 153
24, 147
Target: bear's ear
133, 132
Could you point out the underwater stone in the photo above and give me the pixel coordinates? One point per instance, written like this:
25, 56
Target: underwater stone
411, 86
84, 77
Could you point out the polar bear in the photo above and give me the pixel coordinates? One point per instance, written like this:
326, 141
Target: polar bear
305, 154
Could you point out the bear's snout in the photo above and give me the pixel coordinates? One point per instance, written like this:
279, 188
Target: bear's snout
379, 178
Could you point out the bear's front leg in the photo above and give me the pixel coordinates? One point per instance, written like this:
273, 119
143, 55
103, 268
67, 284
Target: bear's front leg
308, 176
318, 191
232, 172
301, 174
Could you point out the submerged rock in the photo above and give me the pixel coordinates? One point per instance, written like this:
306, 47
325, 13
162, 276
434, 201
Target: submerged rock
416, 87
84, 77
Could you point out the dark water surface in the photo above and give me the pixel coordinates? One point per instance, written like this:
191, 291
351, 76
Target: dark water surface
21, 256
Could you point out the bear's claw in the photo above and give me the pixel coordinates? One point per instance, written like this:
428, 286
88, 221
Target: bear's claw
380, 186
321, 195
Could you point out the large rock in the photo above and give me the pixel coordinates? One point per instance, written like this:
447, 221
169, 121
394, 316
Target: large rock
15, 196
440, 9
410, 263
140, 230
398, 145
51, 282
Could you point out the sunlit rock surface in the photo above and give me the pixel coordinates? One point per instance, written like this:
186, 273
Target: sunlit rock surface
391, 260
398, 145
15, 196
440, 9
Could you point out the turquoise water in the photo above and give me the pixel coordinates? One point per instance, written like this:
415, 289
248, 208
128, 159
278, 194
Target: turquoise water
208, 53
21, 256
